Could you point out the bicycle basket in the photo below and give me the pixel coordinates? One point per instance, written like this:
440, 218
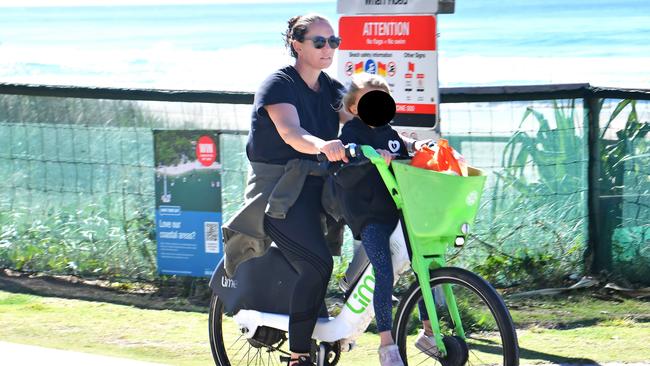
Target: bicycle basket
437, 204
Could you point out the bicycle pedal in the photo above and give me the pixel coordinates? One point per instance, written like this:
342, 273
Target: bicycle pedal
285, 359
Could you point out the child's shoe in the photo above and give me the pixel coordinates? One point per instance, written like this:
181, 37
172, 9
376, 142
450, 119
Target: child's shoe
389, 356
426, 344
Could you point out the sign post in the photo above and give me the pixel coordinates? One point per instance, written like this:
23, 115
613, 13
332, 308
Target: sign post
188, 202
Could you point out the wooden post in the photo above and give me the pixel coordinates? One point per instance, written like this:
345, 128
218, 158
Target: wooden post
598, 256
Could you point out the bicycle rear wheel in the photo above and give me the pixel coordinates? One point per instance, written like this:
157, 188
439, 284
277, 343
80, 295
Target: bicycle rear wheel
230, 347
490, 337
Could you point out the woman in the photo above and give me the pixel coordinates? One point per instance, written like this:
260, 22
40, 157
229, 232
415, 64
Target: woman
296, 115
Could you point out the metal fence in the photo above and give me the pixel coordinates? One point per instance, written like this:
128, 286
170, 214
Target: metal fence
568, 191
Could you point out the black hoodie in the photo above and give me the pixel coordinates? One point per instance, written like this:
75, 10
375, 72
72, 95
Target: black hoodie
362, 195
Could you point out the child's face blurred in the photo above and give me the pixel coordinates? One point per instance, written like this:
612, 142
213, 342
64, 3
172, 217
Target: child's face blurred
375, 107
354, 108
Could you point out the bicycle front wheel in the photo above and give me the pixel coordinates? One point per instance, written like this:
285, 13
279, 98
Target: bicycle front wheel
489, 339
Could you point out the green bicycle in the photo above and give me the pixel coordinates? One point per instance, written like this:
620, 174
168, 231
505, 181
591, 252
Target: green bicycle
469, 320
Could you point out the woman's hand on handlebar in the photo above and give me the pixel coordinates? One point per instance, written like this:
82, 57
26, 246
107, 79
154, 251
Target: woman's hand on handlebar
387, 155
334, 150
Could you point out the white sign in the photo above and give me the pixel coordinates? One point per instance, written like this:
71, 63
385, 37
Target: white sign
387, 6
402, 49
417, 133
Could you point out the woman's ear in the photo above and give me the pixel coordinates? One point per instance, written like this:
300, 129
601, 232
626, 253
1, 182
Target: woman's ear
353, 109
296, 45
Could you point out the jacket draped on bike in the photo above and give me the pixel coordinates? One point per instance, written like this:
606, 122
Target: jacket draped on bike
271, 190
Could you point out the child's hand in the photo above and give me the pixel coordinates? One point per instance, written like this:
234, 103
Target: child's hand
388, 156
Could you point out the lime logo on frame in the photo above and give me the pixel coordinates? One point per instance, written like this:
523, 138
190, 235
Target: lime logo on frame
358, 302
228, 282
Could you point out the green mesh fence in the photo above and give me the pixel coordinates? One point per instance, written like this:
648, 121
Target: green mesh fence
532, 225
78, 183
76, 194
625, 186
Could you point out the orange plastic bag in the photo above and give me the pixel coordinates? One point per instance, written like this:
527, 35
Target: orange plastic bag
441, 158
425, 158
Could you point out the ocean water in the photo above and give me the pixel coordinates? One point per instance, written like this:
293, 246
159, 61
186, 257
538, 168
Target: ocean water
234, 46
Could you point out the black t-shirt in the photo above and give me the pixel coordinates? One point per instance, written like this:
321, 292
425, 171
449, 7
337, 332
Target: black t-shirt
361, 192
318, 113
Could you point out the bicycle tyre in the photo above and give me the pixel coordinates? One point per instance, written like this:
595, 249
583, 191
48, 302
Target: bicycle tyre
475, 298
230, 348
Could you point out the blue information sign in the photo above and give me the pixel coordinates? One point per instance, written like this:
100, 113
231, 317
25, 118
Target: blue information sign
188, 202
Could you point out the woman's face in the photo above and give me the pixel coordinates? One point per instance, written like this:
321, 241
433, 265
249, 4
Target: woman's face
307, 53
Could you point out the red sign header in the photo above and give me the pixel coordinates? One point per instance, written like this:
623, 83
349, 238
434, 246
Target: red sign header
206, 150
388, 33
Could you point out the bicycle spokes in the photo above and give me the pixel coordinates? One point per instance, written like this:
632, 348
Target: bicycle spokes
473, 322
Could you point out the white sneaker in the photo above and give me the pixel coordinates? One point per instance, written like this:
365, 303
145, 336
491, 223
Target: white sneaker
389, 356
426, 344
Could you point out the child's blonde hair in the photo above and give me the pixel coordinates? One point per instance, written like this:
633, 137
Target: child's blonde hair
362, 81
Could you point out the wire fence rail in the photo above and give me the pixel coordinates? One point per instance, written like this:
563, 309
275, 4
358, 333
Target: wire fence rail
568, 190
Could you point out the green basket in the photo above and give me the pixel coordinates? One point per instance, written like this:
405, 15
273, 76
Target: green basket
436, 205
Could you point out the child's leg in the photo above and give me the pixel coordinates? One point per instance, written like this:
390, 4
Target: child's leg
425, 341
424, 317
375, 238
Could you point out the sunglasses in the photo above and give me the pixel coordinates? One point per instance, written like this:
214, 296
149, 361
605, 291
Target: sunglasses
319, 41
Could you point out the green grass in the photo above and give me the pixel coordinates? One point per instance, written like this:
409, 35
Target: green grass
577, 311
579, 329
556, 330
94, 327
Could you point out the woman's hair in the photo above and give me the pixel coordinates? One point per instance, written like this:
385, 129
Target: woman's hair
362, 81
298, 26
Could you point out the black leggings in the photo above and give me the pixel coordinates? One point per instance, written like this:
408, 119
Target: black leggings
300, 238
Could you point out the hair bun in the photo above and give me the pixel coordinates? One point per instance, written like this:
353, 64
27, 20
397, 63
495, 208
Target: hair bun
292, 22
297, 27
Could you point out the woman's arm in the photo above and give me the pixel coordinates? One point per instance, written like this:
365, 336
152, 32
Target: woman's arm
286, 121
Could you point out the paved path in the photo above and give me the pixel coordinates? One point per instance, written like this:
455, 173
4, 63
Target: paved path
23, 355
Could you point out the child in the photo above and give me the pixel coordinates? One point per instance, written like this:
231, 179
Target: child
368, 208
371, 214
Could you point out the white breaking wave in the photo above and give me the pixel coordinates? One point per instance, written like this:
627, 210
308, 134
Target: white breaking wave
163, 66
624, 72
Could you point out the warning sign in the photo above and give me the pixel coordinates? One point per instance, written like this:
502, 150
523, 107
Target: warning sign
402, 49
206, 150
